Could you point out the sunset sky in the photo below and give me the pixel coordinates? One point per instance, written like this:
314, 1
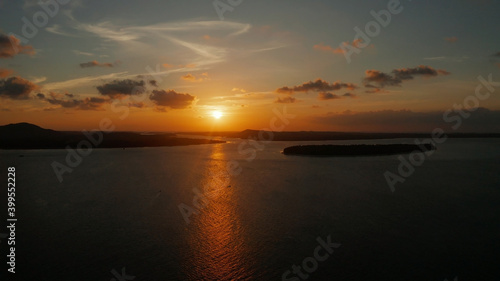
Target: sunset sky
171, 64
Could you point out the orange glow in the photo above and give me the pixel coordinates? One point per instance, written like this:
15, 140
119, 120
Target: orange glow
218, 244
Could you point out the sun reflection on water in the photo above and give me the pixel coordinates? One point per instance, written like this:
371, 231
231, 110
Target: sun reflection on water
216, 237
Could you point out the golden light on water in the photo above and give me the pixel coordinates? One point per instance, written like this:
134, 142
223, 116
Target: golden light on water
218, 247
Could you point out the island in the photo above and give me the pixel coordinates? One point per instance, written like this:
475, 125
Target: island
356, 149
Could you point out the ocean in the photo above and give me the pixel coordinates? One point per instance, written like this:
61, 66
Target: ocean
174, 213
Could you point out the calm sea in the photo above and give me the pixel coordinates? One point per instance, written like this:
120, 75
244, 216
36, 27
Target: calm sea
118, 212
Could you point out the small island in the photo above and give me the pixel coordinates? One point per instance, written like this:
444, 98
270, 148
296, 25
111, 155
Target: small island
356, 149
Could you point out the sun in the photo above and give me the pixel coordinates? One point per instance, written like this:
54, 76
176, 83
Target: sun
217, 114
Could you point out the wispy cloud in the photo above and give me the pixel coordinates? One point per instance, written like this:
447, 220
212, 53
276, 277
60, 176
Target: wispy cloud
82, 82
57, 29
77, 52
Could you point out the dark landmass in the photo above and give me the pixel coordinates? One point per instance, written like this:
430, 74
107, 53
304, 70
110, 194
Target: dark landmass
29, 136
356, 150
324, 136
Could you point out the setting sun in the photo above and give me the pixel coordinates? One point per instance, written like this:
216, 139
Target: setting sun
217, 114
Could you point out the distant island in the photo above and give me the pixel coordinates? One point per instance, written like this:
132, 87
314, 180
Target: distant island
29, 136
356, 150
325, 136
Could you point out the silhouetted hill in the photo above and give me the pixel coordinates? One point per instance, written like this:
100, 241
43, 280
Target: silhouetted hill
25, 131
29, 136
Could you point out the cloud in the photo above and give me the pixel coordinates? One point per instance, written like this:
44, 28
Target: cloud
16, 88
380, 78
375, 90
330, 96
451, 39
286, 100
96, 63
77, 52
496, 55
85, 81
120, 88
164, 33
5, 72
191, 78
397, 76
11, 46
349, 95
409, 73
172, 99
37, 80
56, 29
68, 101
481, 120
318, 85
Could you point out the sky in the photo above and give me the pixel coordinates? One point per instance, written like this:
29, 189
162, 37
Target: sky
230, 65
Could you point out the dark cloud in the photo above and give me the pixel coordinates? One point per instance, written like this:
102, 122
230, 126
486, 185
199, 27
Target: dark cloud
331, 96
397, 76
409, 73
153, 83
95, 63
120, 88
380, 78
16, 88
328, 96
90, 103
5, 72
349, 95
172, 99
11, 46
496, 55
318, 85
286, 100
480, 120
